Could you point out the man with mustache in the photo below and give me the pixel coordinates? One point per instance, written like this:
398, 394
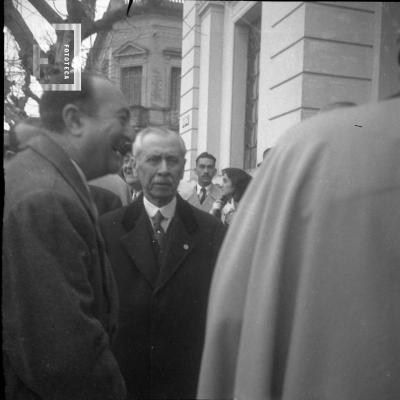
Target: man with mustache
205, 193
163, 252
59, 294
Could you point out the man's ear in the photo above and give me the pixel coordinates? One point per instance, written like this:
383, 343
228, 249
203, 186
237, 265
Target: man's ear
72, 118
134, 164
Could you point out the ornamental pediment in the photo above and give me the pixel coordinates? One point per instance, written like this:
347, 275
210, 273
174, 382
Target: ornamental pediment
130, 49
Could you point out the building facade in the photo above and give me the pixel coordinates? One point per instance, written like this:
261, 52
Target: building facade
142, 55
252, 69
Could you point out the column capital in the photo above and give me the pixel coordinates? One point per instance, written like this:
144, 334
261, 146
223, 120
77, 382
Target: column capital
203, 6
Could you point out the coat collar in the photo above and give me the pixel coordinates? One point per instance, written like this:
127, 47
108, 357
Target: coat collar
138, 243
182, 233
54, 154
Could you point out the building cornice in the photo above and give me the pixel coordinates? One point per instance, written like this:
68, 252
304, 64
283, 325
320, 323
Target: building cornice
172, 52
204, 6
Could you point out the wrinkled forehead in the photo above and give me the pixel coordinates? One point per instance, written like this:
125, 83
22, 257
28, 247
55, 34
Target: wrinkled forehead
162, 143
205, 161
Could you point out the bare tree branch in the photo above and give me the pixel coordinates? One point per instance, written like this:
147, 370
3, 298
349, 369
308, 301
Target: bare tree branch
21, 32
27, 90
78, 13
107, 21
82, 12
13, 113
46, 11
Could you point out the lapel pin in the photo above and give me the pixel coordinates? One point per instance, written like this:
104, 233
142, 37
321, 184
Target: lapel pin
186, 246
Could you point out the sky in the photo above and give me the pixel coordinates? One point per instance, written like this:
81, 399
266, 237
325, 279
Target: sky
44, 33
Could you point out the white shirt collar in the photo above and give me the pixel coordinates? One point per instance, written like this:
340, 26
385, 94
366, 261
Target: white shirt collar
168, 211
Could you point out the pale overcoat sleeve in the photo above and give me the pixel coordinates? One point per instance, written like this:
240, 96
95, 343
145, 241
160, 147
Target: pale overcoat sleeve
304, 302
52, 338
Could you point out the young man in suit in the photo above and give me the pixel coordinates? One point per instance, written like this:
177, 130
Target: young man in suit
205, 193
59, 294
163, 252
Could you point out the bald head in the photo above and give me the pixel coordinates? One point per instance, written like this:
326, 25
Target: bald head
93, 124
52, 103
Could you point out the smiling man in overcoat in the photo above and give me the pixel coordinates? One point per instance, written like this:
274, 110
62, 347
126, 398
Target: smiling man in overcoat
59, 297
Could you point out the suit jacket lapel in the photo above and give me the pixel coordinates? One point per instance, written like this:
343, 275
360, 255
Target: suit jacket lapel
138, 241
181, 241
52, 152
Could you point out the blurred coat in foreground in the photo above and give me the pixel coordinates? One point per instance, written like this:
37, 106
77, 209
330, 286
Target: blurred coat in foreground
56, 344
305, 297
59, 295
104, 199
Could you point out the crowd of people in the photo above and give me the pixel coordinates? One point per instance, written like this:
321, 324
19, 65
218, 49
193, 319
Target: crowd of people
119, 285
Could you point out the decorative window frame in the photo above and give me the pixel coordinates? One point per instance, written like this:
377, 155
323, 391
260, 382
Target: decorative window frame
243, 14
132, 55
173, 59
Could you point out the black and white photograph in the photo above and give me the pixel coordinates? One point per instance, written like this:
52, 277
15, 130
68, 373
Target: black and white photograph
201, 200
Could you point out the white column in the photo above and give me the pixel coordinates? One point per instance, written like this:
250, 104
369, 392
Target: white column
190, 83
211, 44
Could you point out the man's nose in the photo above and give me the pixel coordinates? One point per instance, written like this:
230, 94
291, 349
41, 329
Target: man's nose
163, 167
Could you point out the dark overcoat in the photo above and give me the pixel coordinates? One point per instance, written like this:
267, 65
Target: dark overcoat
162, 314
59, 295
104, 199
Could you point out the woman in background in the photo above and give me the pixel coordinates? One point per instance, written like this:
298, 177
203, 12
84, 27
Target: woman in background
234, 184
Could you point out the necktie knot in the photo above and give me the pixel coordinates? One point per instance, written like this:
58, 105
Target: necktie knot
203, 193
159, 233
158, 229
157, 219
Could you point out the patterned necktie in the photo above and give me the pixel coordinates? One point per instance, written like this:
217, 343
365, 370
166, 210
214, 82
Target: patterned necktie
203, 192
159, 233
